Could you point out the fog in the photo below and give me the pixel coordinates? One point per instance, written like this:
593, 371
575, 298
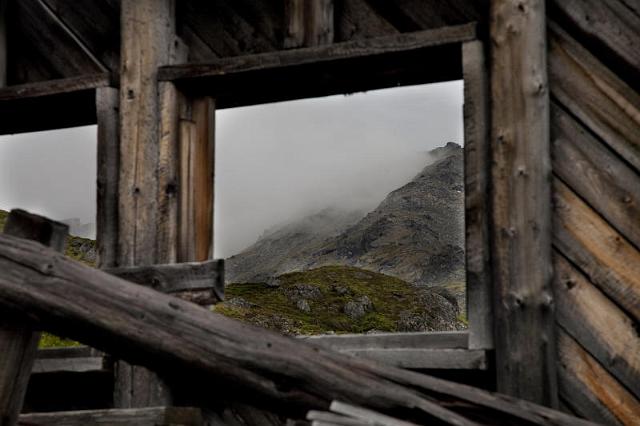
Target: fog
274, 163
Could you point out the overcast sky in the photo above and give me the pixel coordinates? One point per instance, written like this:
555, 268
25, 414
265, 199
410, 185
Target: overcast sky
274, 162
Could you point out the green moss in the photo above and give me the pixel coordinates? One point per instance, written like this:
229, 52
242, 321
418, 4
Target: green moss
50, 341
271, 307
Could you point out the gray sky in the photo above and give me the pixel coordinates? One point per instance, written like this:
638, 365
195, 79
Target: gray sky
274, 162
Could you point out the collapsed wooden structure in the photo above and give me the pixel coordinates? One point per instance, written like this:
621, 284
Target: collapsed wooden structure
552, 166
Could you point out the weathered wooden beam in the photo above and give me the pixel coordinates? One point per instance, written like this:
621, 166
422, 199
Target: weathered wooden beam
610, 261
476, 162
521, 203
178, 278
36, 106
148, 41
432, 359
154, 416
18, 340
107, 110
337, 68
431, 340
596, 96
245, 362
309, 23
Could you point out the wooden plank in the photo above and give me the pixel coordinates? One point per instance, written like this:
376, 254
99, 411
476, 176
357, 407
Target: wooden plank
357, 20
476, 164
367, 415
18, 340
54, 87
605, 256
71, 365
596, 174
69, 352
448, 359
595, 383
148, 37
325, 417
598, 324
154, 416
107, 108
338, 68
175, 278
597, 97
309, 23
431, 340
521, 257
251, 364
607, 27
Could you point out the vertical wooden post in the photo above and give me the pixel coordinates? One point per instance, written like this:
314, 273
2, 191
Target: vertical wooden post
144, 185
18, 341
107, 107
477, 170
524, 310
309, 23
3, 43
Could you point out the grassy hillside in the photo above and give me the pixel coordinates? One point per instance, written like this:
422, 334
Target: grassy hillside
339, 299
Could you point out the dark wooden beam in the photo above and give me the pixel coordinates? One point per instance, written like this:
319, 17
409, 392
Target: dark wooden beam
231, 359
18, 340
154, 416
521, 203
3, 43
309, 23
338, 68
36, 106
178, 278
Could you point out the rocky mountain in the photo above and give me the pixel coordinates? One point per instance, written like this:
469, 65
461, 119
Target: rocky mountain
415, 234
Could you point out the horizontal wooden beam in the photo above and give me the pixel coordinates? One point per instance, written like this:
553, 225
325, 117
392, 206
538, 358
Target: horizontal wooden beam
154, 416
96, 364
429, 359
434, 340
347, 67
37, 106
177, 277
246, 363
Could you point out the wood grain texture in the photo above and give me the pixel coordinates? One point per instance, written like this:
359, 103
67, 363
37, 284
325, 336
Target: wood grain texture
598, 324
596, 174
521, 204
350, 16
606, 26
155, 416
476, 163
431, 340
18, 340
597, 97
54, 87
595, 383
199, 346
603, 254
107, 109
148, 41
309, 23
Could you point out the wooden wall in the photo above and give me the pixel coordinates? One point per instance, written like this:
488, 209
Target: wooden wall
594, 74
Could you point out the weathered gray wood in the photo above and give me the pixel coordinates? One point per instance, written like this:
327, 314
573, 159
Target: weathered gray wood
309, 23
596, 174
248, 362
333, 52
107, 108
523, 304
596, 96
325, 417
54, 87
367, 415
598, 324
477, 169
594, 382
349, 16
155, 416
148, 37
609, 24
69, 352
431, 340
605, 256
18, 340
176, 278
71, 365
452, 359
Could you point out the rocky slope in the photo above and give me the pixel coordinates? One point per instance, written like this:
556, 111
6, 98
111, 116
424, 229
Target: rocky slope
416, 234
